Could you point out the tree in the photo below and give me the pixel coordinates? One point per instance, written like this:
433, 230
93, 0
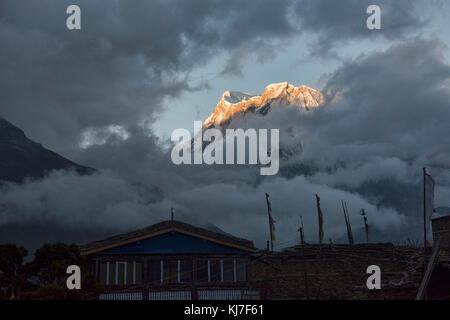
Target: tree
50, 266
11, 269
51, 261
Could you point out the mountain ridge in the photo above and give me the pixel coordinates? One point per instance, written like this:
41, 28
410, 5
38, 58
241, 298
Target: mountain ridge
234, 104
23, 158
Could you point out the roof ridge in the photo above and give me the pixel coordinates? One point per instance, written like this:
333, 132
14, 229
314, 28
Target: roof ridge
166, 225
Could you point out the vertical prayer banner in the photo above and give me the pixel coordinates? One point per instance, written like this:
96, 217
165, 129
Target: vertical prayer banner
271, 221
320, 215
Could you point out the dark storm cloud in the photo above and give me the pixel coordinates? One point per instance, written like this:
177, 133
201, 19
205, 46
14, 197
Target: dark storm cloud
386, 118
131, 55
393, 103
127, 58
333, 24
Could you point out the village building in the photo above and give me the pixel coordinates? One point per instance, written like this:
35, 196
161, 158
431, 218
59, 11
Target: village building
171, 260
441, 228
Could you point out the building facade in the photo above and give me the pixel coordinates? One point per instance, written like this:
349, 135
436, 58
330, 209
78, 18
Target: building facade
441, 229
172, 260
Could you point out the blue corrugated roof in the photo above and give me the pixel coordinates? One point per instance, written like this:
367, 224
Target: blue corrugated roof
172, 242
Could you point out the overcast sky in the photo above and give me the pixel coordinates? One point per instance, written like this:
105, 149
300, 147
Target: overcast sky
110, 94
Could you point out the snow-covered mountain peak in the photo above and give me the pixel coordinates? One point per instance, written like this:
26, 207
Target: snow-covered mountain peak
235, 104
234, 97
277, 89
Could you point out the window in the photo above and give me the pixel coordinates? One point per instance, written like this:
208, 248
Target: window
111, 271
228, 270
185, 270
130, 270
138, 273
240, 271
102, 273
201, 269
154, 271
215, 270
170, 272
121, 273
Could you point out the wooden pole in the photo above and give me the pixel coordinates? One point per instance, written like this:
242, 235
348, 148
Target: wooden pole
305, 272
424, 223
426, 278
303, 231
347, 223
266, 283
424, 209
320, 217
270, 222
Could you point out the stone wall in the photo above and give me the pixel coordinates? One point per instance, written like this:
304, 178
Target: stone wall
337, 272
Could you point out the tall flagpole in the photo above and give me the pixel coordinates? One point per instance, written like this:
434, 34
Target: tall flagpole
305, 272
270, 222
347, 223
424, 223
320, 216
424, 209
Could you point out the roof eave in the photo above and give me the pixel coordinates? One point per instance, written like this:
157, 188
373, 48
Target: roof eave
160, 232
